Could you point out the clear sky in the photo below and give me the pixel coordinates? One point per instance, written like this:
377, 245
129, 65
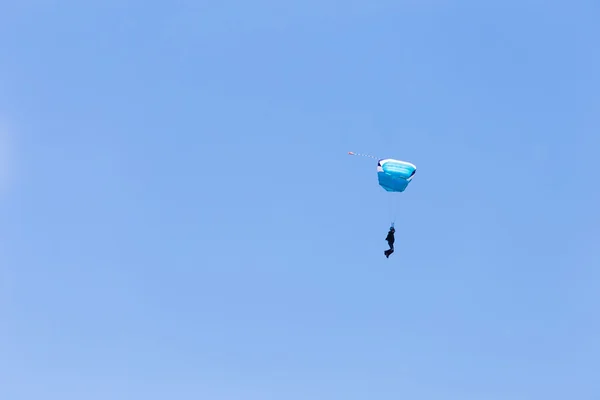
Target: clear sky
180, 218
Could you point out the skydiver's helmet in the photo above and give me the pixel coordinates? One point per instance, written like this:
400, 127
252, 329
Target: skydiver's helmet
392, 229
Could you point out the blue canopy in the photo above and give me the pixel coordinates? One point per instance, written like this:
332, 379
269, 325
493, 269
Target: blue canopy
395, 175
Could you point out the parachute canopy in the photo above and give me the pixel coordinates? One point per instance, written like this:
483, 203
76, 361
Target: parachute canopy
395, 175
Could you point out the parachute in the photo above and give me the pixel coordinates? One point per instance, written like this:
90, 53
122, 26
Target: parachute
393, 176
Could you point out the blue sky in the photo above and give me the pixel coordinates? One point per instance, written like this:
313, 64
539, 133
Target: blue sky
180, 218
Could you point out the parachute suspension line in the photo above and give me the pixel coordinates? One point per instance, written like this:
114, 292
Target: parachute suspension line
363, 155
393, 208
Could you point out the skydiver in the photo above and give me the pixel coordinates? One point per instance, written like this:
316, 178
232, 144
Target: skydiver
390, 239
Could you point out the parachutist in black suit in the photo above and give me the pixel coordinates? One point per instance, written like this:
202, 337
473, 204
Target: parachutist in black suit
390, 239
